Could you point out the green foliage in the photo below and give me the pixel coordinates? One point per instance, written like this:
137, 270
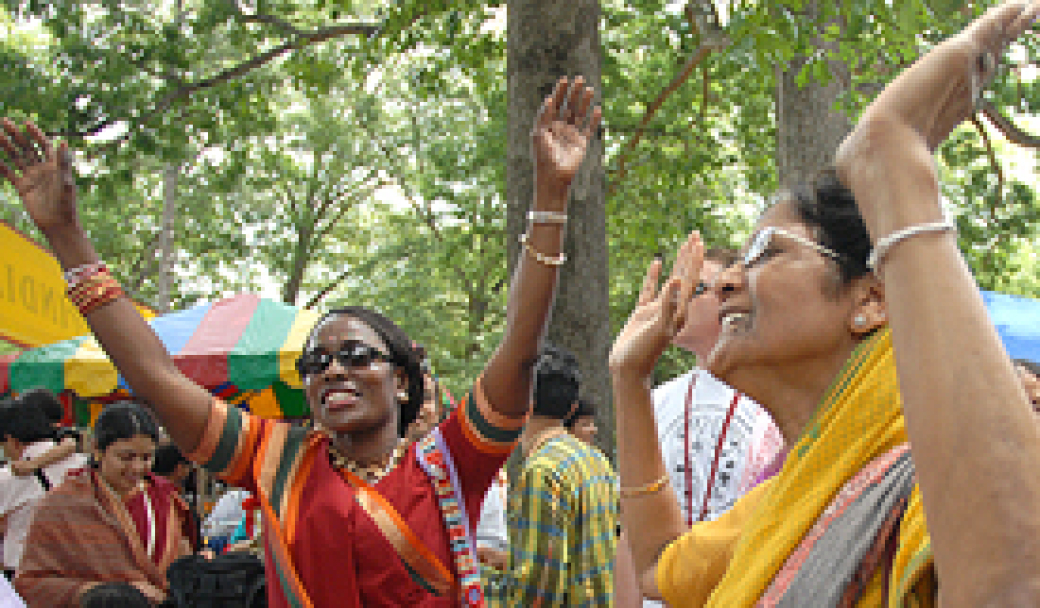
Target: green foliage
353, 151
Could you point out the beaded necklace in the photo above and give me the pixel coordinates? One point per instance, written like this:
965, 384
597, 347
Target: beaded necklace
371, 473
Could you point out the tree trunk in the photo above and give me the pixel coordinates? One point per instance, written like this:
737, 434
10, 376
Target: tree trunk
166, 257
546, 40
809, 129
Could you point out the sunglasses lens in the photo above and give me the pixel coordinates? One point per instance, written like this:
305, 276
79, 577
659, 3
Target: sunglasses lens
357, 356
349, 356
312, 362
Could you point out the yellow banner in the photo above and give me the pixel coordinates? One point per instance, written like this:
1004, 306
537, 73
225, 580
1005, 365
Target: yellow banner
34, 309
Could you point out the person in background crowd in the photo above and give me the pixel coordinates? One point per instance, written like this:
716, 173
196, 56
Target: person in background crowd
222, 521
1029, 374
716, 442
9, 598
26, 433
69, 440
853, 318
563, 505
353, 515
582, 423
111, 522
431, 412
492, 535
171, 464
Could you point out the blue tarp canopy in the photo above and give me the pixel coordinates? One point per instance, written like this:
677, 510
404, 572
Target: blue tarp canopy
1018, 321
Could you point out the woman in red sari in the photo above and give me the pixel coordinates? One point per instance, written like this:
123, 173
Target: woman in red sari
112, 522
351, 516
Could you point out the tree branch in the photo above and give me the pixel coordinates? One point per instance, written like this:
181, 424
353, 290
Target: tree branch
992, 155
1010, 130
703, 18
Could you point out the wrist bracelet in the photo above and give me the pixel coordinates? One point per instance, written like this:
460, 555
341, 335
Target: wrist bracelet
883, 245
77, 274
651, 488
541, 258
547, 217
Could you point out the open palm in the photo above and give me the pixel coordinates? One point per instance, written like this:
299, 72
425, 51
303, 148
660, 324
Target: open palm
562, 129
660, 312
42, 175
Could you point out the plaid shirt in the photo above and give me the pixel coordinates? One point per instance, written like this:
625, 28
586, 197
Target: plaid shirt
563, 515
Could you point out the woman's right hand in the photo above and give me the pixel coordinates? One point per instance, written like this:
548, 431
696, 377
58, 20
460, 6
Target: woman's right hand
42, 175
659, 314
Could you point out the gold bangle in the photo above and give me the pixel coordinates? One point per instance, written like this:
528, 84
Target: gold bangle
651, 488
540, 257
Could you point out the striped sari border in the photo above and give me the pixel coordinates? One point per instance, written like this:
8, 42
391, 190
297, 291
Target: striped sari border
211, 434
228, 442
291, 453
417, 557
299, 470
270, 457
250, 435
278, 552
487, 430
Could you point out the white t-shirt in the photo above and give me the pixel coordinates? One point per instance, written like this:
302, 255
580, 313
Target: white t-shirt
492, 532
751, 443
226, 514
19, 495
8, 597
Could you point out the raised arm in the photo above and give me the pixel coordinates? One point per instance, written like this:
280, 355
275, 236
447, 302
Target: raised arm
43, 177
565, 124
976, 442
650, 513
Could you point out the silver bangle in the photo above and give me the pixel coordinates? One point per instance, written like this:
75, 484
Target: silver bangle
883, 245
547, 217
541, 258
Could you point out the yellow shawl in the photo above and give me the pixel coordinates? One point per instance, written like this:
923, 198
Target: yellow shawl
859, 419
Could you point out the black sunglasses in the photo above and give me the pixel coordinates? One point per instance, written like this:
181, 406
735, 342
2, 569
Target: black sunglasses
350, 354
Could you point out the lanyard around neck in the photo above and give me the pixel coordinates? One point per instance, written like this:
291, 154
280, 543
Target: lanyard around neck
687, 461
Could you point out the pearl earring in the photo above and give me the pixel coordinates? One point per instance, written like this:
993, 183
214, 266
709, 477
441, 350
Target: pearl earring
402, 396
859, 321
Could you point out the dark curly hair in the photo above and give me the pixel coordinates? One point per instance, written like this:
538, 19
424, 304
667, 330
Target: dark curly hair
557, 382
828, 207
402, 354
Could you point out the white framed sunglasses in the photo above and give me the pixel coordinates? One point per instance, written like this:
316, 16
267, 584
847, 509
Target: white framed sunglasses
760, 244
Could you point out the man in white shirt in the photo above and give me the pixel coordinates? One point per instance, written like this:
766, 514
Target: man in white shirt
716, 443
26, 433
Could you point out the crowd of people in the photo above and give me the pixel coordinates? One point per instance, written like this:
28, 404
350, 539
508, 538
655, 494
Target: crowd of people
778, 472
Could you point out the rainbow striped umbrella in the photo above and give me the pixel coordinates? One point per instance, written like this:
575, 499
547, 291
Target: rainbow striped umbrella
242, 349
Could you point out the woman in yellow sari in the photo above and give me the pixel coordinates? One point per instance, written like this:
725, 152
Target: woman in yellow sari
854, 320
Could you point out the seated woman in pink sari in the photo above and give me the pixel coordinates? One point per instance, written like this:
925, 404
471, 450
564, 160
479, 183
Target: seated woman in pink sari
112, 522
351, 515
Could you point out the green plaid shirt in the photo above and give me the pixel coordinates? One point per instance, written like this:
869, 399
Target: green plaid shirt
563, 516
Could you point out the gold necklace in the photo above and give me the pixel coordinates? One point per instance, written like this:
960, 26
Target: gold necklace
370, 473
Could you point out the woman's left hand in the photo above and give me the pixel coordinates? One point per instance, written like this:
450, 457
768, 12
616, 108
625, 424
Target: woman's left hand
660, 313
562, 129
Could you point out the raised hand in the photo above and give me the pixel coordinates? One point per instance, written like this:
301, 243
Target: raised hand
941, 89
659, 313
562, 129
42, 175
